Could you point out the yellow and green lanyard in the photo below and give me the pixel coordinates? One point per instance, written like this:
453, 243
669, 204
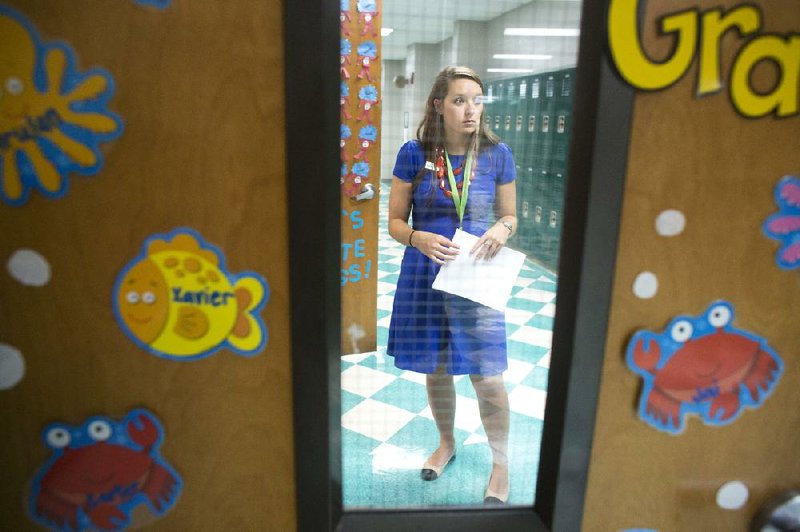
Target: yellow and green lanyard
459, 200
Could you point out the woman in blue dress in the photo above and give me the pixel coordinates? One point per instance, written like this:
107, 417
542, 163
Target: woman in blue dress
456, 174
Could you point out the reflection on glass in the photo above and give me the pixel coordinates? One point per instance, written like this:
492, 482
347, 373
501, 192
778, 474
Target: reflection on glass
451, 378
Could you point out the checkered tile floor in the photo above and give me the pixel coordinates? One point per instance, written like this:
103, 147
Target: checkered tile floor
387, 427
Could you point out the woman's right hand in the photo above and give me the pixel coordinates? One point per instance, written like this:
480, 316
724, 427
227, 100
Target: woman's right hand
436, 247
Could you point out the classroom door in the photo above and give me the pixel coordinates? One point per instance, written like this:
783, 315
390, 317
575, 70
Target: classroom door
702, 180
145, 374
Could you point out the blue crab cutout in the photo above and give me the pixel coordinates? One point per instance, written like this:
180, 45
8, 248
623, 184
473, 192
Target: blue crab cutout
701, 365
344, 132
345, 48
100, 471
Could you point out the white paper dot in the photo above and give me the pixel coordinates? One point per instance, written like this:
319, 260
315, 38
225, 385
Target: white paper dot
732, 495
645, 285
29, 268
670, 223
12, 367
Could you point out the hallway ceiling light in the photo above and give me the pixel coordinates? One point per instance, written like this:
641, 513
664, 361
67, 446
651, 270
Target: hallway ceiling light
543, 32
536, 57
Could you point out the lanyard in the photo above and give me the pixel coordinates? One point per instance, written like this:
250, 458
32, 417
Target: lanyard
459, 200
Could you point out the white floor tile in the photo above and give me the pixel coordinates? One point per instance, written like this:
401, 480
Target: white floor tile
518, 316
384, 321
517, 370
385, 288
527, 401
533, 335
385, 302
358, 357
387, 457
364, 381
413, 376
468, 416
375, 419
475, 439
544, 361
535, 294
548, 310
524, 281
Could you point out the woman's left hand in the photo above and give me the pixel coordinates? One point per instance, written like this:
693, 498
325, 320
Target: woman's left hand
490, 243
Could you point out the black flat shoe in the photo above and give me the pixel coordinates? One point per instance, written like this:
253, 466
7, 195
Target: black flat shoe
493, 498
432, 472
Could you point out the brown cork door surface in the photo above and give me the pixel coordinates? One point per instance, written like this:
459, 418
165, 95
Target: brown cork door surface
199, 87
361, 158
699, 156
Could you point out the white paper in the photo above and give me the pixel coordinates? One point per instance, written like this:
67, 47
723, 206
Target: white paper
486, 282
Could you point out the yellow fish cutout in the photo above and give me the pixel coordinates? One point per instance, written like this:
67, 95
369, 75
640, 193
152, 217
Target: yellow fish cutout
177, 301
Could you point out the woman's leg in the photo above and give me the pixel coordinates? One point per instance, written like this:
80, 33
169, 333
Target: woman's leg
442, 399
493, 405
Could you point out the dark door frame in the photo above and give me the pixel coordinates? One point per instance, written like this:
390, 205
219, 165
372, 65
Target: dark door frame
598, 155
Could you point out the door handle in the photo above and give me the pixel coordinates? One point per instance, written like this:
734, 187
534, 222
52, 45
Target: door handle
781, 514
367, 193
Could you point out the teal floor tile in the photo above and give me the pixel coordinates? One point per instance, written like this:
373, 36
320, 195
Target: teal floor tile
542, 322
392, 268
403, 394
382, 336
511, 329
349, 400
525, 304
391, 278
525, 435
381, 362
542, 285
464, 387
526, 352
420, 436
537, 378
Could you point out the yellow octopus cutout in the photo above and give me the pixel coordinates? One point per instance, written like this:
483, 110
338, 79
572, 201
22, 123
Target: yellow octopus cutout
177, 301
52, 118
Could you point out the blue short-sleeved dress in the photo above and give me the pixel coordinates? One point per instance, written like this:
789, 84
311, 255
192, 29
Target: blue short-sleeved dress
429, 327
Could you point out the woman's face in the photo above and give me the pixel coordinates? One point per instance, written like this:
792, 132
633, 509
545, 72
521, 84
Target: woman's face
461, 108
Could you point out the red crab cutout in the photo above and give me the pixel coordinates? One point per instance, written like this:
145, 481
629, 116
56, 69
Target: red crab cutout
702, 366
100, 471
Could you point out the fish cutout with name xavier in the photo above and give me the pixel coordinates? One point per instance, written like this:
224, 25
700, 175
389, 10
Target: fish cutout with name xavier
178, 301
